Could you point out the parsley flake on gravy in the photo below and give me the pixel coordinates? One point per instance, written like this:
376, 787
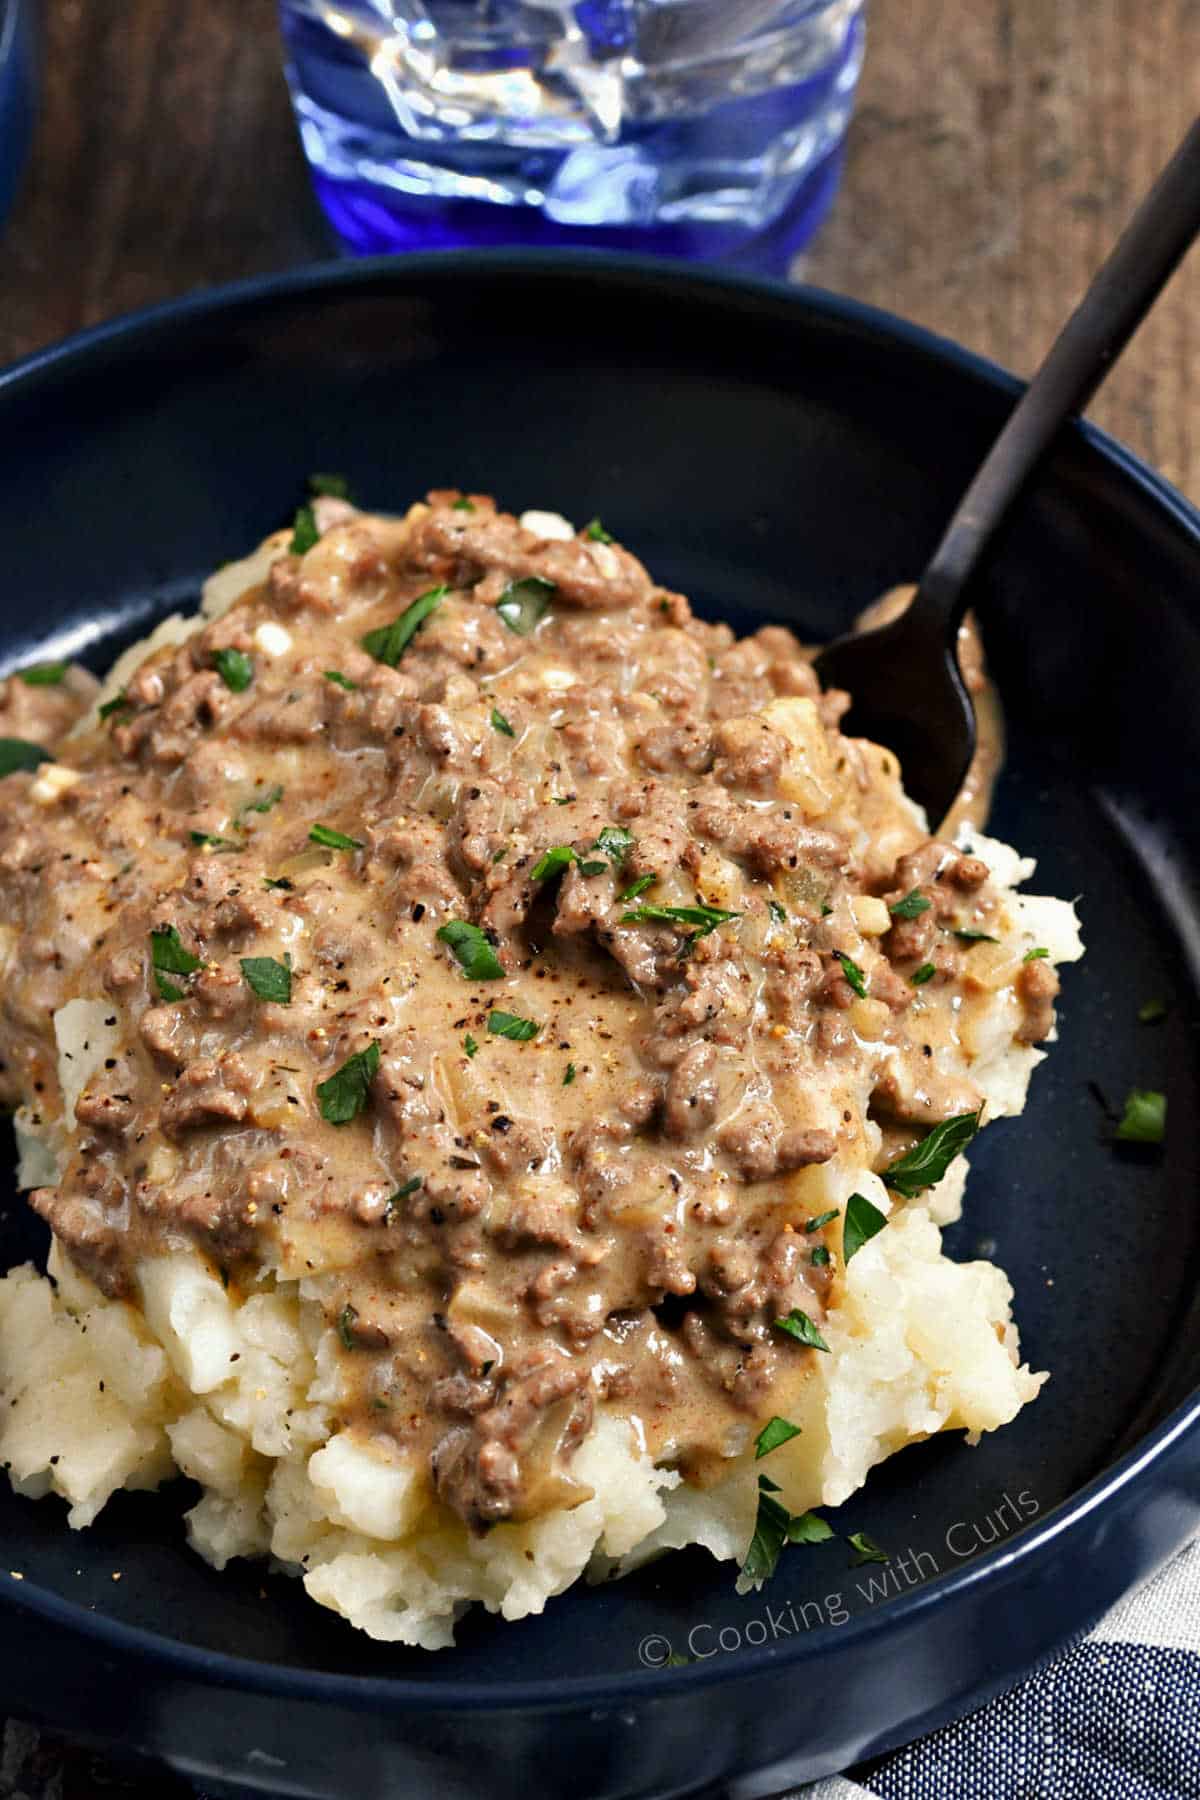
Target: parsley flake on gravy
268, 979
853, 974
169, 956
342, 681
596, 534
478, 960
920, 976
512, 1025
638, 887
776, 1431
47, 674
1144, 1120
1036, 954
925, 1164
17, 753
825, 1218
347, 1319
800, 1326
344, 1095
388, 643
333, 840
304, 530
552, 862
911, 907
707, 918
523, 604
614, 842
501, 724
235, 668
569, 1076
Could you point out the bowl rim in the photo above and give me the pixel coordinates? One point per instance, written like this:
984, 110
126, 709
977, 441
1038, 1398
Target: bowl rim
1039, 1541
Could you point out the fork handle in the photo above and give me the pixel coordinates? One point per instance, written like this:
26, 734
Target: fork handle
1160, 231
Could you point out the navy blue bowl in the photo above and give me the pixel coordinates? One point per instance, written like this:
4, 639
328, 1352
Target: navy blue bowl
776, 454
18, 82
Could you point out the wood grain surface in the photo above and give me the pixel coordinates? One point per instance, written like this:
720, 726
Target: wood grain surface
999, 146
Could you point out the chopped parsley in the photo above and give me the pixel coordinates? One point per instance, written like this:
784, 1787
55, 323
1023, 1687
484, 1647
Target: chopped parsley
523, 603
853, 974
776, 1431
262, 803
1036, 954
469, 1045
638, 887
706, 917
866, 1549
809, 1528
169, 956
800, 1326
820, 1257
1151, 1012
17, 753
863, 1220
825, 1218
268, 979
968, 936
388, 643
593, 868
569, 1076
911, 907
47, 674
278, 881
336, 486
552, 862
926, 1163
920, 976
596, 534
614, 842
773, 1528
1144, 1120
235, 669
512, 1025
344, 1095
332, 840
304, 530
770, 1535
347, 1319
342, 681
119, 703
478, 960
777, 912
501, 724
401, 1193
462, 504
214, 841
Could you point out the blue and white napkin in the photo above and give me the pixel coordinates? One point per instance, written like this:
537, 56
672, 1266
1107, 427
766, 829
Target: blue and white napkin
1115, 1718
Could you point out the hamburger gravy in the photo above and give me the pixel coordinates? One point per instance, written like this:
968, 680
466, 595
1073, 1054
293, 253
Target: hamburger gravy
452, 943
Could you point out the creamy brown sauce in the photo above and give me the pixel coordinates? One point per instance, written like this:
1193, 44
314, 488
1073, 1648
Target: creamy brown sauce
509, 1232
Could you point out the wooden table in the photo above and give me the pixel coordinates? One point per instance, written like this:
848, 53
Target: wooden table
998, 147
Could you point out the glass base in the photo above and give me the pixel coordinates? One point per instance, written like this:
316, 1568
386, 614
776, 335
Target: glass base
371, 221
